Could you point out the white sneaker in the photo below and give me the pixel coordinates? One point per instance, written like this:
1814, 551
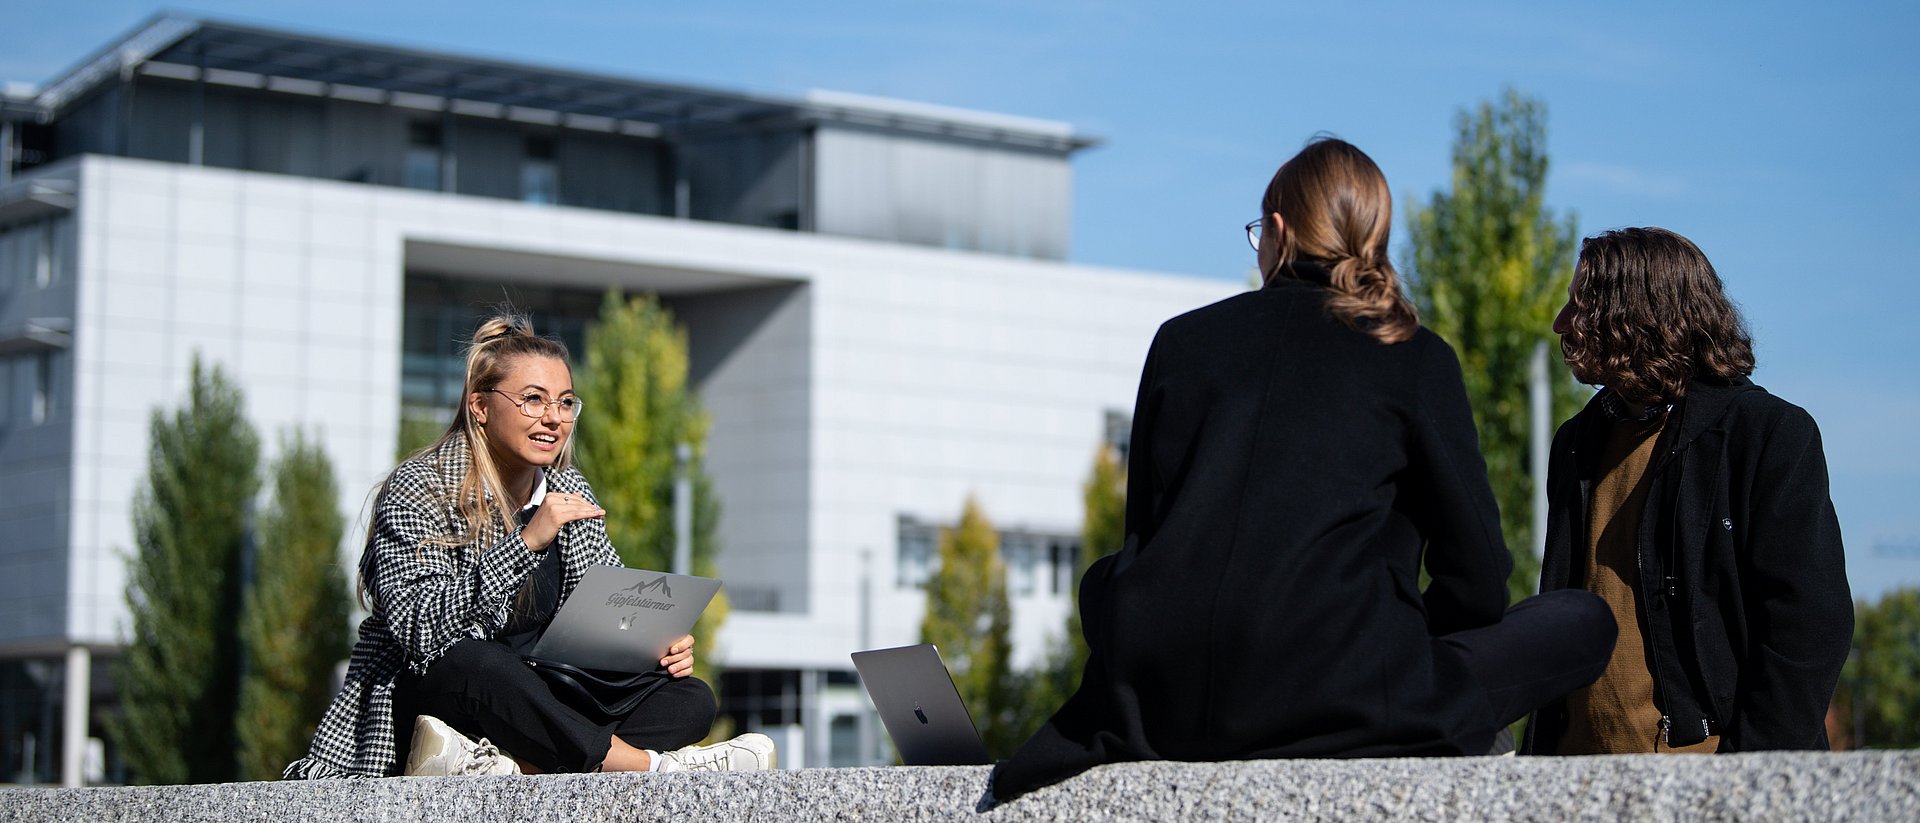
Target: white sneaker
439, 750
748, 752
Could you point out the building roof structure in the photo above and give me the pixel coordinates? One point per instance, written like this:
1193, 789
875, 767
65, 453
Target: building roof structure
229, 54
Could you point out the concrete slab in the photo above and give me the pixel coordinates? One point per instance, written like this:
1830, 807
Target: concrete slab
1867, 786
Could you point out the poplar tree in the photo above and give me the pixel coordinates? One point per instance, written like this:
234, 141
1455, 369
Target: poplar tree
970, 619
1103, 528
1879, 693
1488, 269
178, 679
294, 627
637, 409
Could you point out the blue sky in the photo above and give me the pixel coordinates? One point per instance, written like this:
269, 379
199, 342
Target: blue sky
1784, 138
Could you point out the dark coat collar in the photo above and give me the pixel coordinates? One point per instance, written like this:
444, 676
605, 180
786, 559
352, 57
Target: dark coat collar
1301, 272
1703, 406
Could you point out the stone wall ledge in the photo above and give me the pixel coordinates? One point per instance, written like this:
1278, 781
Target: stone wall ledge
1865, 786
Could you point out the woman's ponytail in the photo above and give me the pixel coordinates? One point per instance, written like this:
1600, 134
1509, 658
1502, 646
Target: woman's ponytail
1335, 209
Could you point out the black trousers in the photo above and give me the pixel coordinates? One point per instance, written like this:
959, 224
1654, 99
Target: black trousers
1546, 646
482, 689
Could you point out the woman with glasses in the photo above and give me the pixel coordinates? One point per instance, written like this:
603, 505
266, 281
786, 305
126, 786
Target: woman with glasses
475, 541
1299, 454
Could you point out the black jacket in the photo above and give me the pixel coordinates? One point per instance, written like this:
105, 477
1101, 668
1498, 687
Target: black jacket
1285, 474
1742, 580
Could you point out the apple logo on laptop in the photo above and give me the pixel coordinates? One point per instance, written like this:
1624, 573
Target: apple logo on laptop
920, 714
627, 622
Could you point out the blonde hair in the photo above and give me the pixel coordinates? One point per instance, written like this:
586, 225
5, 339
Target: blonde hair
1335, 209
481, 497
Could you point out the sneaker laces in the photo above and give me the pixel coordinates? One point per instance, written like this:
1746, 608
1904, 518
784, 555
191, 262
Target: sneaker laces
483, 758
715, 758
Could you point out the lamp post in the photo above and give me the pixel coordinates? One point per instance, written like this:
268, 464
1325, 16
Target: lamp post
682, 509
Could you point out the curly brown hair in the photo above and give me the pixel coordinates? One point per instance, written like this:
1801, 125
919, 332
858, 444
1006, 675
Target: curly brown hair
1335, 209
1647, 313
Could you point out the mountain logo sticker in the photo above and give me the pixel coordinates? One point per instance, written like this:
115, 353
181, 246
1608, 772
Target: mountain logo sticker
636, 595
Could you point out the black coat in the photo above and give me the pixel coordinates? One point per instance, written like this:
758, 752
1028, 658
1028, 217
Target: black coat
1742, 579
1285, 473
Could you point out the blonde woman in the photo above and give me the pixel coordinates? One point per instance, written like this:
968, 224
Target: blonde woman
475, 541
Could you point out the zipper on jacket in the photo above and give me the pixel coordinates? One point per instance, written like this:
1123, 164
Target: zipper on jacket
1672, 564
1671, 429
1653, 656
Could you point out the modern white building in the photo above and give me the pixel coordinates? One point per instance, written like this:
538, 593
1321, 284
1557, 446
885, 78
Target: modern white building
880, 320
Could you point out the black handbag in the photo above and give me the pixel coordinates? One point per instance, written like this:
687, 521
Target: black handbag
612, 693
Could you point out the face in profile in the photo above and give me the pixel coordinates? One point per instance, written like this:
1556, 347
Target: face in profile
519, 439
1563, 326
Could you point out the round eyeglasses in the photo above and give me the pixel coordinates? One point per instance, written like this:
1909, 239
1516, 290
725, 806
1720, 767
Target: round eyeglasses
1253, 232
534, 405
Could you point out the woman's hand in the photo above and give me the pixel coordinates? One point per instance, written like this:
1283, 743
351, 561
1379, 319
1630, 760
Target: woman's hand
555, 511
679, 659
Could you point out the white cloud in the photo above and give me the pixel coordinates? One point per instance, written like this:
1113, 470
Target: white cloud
1625, 180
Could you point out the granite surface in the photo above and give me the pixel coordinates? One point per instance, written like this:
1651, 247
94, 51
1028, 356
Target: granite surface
1867, 786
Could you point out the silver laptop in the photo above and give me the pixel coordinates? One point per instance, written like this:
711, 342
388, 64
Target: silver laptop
922, 710
623, 620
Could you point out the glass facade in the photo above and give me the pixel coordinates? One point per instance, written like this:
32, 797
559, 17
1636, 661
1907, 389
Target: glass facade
539, 174
32, 694
440, 315
36, 254
423, 157
1037, 562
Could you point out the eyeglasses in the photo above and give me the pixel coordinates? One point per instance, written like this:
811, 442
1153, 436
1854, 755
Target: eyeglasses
534, 405
1253, 232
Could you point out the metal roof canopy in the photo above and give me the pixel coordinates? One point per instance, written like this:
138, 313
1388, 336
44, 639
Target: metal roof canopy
245, 56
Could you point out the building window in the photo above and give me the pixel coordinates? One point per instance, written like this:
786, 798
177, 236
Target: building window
1020, 553
761, 698
58, 248
1036, 562
917, 559
843, 741
539, 176
424, 149
439, 316
1119, 434
37, 254
11, 270
1064, 554
43, 255
42, 403
19, 256
7, 390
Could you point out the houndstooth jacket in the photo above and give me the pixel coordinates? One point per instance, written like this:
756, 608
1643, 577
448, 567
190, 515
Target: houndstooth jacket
427, 597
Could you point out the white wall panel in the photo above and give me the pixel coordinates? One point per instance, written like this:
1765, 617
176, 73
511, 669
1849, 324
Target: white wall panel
941, 193
892, 380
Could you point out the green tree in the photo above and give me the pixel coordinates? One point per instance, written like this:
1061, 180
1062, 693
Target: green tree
294, 626
638, 410
178, 680
1045, 688
1103, 529
970, 619
1879, 695
1489, 269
